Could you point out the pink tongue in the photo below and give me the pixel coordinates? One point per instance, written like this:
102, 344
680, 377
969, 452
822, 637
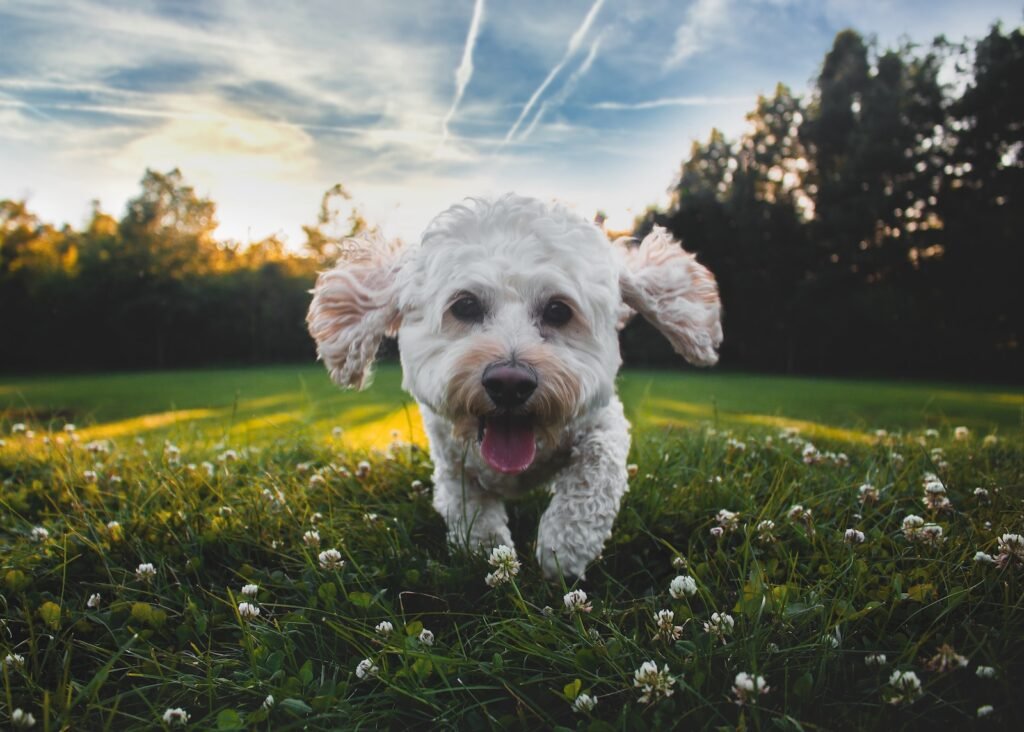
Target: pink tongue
509, 445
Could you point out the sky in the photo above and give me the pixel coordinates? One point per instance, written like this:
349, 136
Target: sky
411, 104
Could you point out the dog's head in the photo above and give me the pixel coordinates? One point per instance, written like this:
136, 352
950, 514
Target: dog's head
507, 317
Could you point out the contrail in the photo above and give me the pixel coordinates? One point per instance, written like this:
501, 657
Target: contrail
465, 70
671, 102
574, 44
568, 87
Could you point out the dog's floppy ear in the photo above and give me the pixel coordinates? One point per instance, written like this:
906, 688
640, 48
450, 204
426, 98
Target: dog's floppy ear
665, 284
354, 306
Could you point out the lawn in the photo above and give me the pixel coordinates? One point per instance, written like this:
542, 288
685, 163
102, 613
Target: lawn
207, 544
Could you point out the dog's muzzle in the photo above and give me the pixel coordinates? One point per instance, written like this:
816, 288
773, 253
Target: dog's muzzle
507, 439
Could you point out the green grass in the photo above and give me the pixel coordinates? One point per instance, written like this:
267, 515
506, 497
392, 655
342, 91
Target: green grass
808, 607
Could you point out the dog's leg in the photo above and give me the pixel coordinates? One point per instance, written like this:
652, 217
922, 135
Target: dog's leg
476, 519
586, 497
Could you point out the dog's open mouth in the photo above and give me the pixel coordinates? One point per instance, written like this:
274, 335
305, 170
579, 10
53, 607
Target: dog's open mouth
507, 442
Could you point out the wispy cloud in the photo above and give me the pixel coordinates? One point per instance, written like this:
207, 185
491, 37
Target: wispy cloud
703, 20
673, 102
465, 70
574, 43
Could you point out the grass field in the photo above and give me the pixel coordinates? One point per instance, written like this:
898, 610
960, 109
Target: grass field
778, 498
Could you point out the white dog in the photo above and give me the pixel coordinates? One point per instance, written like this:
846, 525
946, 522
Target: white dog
507, 316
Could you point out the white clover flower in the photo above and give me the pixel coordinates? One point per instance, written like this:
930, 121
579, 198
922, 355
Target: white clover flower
912, 526
985, 672
69, 428
728, 520
94, 600
116, 480
896, 458
248, 611
145, 571
39, 534
506, 565
362, 469
765, 531
907, 686
268, 703
176, 716
875, 659
734, 444
867, 494
797, 512
946, 659
317, 480
417, 486
576, 601
981, 494
853, 536
22, 719
225, 511
316, 518
15, 660
584, 703
228, 456
810, 454
680, 563
426, 637
666, 629
717, 532
90, 476
961, 433
632, 469
1011, 550
983, 558
653, 683
747, 687
366, 669
384, 628
18, 428
931, 534
985, 710
720, 625
250, 590
931, 433
208, 467
331, 559
682, 586
311, 539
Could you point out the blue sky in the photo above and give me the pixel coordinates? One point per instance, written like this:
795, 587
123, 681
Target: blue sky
411, 105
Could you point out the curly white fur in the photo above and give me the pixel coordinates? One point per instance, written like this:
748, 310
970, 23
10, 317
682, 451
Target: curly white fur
515, 255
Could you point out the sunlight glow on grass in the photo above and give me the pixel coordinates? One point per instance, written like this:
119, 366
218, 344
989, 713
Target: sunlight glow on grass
146, 423
380, 433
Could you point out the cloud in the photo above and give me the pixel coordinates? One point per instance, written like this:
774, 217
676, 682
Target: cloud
465, 70
704, 19
697, 101
574, 44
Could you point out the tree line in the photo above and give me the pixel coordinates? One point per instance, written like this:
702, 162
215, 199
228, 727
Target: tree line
873, 227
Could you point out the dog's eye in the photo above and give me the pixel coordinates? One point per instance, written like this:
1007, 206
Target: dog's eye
557, 313
468, 309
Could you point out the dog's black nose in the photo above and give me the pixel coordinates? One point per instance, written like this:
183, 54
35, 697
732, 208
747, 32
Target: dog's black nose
509, 385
